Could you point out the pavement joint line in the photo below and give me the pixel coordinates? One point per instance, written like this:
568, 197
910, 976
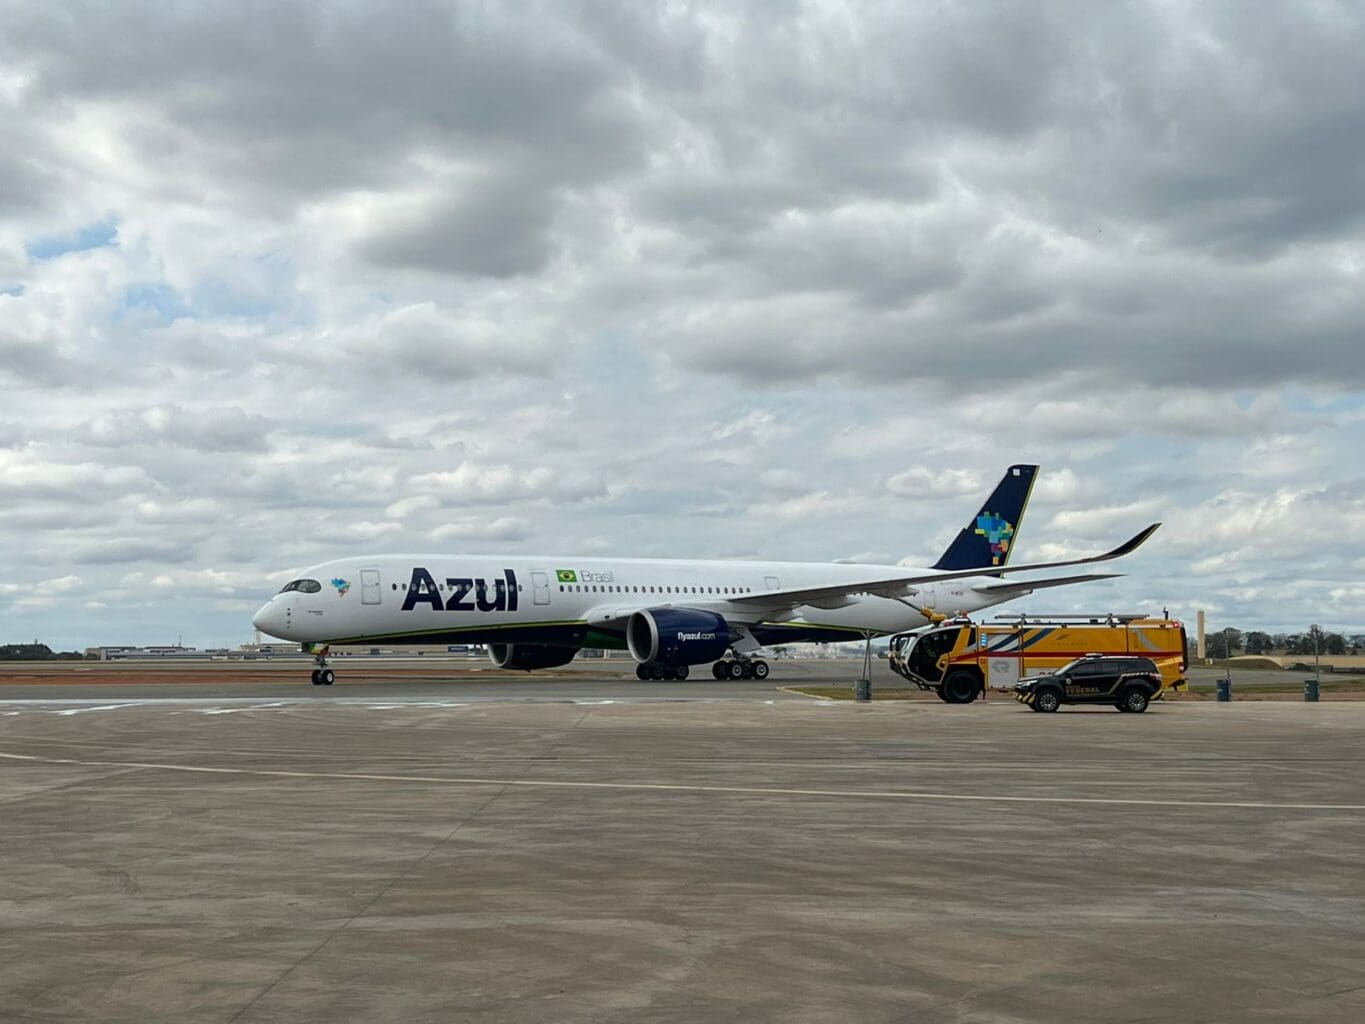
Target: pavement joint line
891, 794
387, 888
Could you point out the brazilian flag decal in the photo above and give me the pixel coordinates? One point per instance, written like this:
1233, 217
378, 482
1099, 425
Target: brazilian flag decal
566, 576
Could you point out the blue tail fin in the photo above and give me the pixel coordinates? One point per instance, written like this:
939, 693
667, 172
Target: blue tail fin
988, 539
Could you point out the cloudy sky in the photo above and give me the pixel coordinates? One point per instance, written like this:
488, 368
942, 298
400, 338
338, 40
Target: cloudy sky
281, 282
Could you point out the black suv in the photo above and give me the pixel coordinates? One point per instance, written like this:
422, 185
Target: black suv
1129, 684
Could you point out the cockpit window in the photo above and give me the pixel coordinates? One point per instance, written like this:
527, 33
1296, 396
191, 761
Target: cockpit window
302, 586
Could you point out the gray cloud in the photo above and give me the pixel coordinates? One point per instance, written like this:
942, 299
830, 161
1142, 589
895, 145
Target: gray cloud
495, 228
220, 429
118, 551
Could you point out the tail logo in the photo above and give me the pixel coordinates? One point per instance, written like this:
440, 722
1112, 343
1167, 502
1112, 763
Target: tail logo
998, 532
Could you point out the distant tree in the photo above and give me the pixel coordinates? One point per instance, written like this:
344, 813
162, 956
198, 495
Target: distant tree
1223, 643
1258, 643
1298, 643
25, 652
36, 652
1333, 643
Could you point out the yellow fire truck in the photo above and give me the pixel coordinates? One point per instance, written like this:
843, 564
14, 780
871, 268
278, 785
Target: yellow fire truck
959, 659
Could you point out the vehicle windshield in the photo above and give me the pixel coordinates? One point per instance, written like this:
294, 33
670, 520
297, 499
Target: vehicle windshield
921, 657
302, 586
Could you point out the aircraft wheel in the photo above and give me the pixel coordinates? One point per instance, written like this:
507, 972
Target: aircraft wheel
641, 673
760, 670
735, 670
719, 670
656, 672
681, 672
327, 677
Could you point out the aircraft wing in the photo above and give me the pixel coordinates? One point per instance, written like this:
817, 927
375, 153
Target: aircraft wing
903, 586
1008, 589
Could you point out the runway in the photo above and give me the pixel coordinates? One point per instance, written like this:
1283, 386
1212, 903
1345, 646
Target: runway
322, 855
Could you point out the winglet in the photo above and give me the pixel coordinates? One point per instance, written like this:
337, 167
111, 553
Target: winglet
1131, 545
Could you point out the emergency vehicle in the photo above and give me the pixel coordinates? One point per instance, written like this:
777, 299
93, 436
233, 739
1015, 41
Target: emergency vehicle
959, 659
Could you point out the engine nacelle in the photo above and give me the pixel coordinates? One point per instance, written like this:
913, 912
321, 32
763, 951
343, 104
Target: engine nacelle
527, 657
677, 636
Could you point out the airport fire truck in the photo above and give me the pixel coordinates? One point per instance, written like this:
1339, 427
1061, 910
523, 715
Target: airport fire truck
958, 659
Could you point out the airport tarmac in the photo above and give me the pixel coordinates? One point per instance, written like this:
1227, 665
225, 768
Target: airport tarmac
340, 854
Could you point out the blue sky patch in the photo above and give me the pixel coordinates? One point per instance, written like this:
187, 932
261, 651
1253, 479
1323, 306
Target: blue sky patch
91, 236
157, 298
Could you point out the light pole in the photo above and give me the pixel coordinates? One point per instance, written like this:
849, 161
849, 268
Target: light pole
1227, 653
1316, 630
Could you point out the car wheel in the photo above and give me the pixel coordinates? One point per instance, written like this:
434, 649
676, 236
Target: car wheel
1047, 701
1134, 700
960, 688
941, 694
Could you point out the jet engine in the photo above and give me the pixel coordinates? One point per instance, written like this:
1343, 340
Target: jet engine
677, 636
527, 657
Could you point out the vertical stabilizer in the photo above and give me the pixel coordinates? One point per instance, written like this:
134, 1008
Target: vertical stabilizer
989, 538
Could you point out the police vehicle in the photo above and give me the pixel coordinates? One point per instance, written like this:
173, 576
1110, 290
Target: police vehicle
1129, 684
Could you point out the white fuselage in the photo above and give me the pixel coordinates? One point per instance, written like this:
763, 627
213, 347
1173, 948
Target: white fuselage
558, 600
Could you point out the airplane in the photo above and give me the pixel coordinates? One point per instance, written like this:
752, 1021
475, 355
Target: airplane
670, 614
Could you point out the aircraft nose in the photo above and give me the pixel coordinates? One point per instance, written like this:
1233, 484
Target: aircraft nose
270, 618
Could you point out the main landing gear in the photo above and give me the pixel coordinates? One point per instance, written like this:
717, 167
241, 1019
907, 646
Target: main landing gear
654, 671
322, 675
741, 668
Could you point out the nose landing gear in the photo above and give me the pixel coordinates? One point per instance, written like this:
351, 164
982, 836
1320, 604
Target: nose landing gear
322, 675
